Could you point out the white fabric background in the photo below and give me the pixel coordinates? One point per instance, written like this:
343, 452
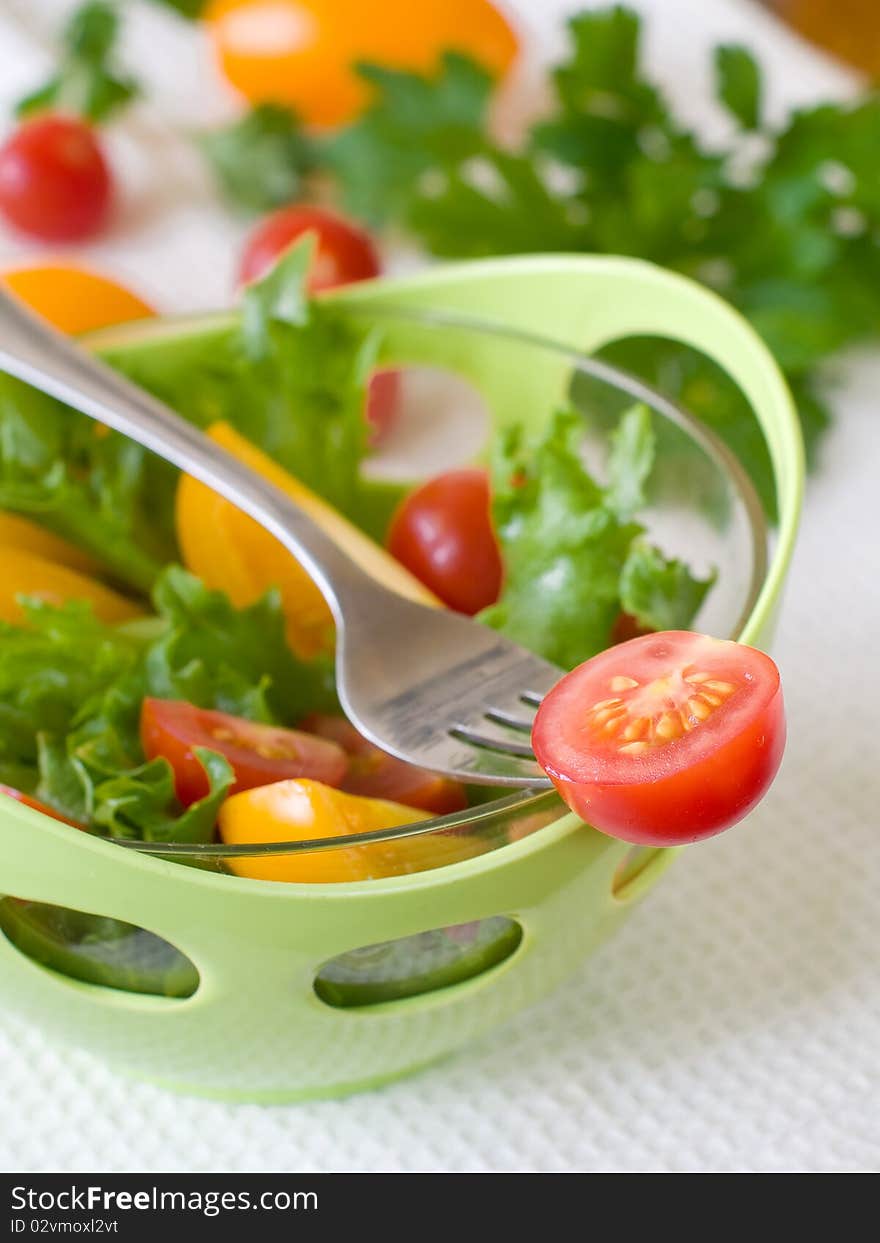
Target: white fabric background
734, 1023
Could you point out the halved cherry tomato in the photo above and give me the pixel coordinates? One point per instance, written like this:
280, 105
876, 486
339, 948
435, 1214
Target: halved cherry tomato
373, 773
25, 574
37, 805
344, 253
230, 552
665, 739
303, 52
442, 532
305, 810
259, 754
19, 532
54, 181
74, 299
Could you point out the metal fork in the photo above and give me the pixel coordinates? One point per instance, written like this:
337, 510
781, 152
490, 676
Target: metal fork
429, 686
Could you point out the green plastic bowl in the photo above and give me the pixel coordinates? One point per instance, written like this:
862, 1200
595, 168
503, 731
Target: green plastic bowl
259, 990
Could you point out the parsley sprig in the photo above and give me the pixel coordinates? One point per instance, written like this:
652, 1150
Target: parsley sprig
87, 82
783, 221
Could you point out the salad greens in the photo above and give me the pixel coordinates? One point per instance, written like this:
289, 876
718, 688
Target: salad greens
71, 689
573, 555
101, 491
291, 376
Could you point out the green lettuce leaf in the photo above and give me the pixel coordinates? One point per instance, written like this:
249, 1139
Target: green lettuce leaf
103, 492
567, 541
660, 594
71, 689
235, 660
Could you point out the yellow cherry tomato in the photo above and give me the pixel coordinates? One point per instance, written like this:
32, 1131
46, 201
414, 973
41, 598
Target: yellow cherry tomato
21, 533
302, 810
228, 551
74, 299
302, 52
24, 574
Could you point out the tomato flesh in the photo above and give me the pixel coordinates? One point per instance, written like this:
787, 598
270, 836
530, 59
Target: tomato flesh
374, 774
20, 797
442, 532
259, 754
664, 739
54, 181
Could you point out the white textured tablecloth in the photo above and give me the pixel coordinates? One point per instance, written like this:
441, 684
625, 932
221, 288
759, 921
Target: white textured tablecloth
734, 1023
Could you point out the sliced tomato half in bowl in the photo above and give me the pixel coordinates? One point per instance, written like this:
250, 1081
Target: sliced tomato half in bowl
665, 739
259, 754
374, 773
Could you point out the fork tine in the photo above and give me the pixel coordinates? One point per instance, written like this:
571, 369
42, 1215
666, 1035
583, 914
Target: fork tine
478, 764
507, 719
489, 742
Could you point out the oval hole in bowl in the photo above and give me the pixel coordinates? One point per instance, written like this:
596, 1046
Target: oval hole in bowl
414, 965
95, 949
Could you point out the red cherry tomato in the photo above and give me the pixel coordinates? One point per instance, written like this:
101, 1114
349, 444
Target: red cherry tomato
442, 532
665, 739
11, 792
373, 773
259, 754
344, 253
54, 181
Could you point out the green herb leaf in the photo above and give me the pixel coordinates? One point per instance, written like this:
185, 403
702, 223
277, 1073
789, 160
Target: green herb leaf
71, 690
279, 297
98, 489
563, 549
566, 540
141, 803
186, 8
414, 126
86, 82
739, 84
630, 461
236, 660
661, 594
261, 160
790, 233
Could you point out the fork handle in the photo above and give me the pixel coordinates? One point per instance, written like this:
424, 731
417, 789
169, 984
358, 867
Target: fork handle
40, 356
